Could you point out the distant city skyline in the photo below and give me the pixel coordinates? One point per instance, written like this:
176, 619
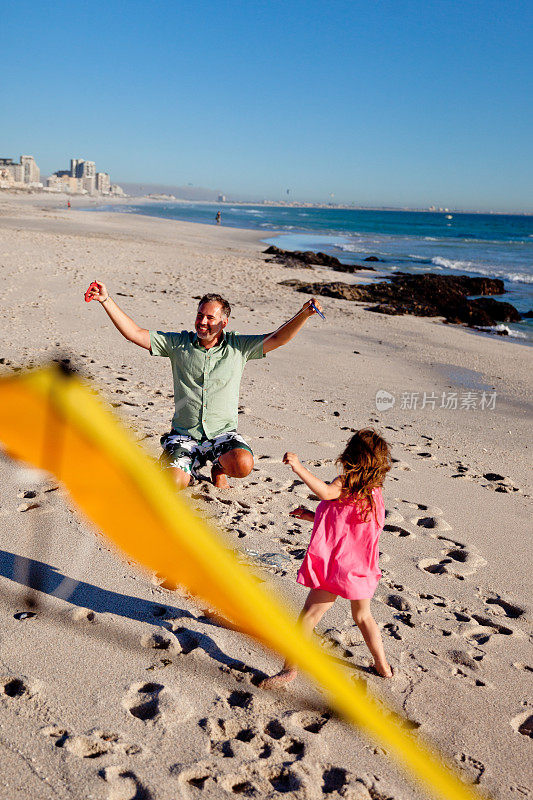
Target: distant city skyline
80, 178
376, 103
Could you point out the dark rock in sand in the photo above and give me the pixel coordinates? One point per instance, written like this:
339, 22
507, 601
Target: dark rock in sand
342, 291
496, 309
309, 259
425, 295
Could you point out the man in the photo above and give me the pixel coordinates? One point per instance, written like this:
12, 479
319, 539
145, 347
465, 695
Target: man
207, 366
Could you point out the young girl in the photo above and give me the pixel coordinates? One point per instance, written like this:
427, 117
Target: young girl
342, 557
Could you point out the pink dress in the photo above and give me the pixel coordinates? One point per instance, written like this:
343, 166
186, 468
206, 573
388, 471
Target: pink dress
343, 554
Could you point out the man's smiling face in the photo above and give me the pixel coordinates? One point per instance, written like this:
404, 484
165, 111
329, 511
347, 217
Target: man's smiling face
210, 322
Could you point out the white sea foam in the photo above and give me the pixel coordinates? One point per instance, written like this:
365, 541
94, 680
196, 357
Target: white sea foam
350, 248
501, 328
361, 246
493, 272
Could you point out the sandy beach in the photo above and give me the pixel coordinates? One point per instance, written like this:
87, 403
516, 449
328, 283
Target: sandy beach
121, 689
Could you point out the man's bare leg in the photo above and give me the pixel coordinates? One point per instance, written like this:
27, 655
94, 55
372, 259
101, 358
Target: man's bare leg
181, 478
317, 603
237, 463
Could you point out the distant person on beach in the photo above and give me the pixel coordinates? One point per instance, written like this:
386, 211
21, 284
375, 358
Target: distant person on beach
218, 217
342, 557
207, 366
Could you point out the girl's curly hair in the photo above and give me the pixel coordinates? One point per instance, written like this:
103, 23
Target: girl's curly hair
365, 462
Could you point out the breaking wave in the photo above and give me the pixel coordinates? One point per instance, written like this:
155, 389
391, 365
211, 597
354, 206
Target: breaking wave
492, 272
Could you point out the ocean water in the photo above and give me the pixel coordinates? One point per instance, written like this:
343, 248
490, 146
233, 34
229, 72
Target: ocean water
493, 245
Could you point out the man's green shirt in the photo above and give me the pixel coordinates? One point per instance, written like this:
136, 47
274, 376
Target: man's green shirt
206, 382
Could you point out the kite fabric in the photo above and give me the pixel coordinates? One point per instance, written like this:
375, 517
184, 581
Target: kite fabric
121, 489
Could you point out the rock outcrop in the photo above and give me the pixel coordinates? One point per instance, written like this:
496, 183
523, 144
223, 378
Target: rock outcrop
308, 259
425, 295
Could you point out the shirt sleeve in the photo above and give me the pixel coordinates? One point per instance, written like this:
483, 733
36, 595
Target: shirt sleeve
250, 346
162, 344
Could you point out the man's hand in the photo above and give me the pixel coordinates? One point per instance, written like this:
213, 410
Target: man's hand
98, 291
292, 460
309, 306
289, 330
127, 327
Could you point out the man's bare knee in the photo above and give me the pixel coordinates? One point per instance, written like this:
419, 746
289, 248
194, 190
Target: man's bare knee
180, 478
237, 463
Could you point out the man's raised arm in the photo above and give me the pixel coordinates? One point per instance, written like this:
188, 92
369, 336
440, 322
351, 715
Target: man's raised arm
127, 327
289, 329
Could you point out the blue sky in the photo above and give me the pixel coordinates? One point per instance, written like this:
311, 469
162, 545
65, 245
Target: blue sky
380, 102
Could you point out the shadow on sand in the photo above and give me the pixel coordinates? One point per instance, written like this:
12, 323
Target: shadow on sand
39, 581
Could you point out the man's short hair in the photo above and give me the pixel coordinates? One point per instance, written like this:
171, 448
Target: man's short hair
216, 298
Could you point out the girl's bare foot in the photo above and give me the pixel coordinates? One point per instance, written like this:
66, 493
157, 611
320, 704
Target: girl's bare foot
283, 677
383, 670
219, 478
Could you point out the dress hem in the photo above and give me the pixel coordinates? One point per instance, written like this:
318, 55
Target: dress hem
336, 592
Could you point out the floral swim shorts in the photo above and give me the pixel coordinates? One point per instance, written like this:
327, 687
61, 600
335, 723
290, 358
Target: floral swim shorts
190, 455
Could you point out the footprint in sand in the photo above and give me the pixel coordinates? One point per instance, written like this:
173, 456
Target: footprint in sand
83, 615
484, 629
253, 754
124, 784
524, 667
504, 607
392, 630
398, 602
430, 522
459, 562
92, 745
472, 766
403, 466
523, 723
396, 530
262, 779
142, 701
393, 516
500, 483
464, 659
158, 641
14, 687
200, 776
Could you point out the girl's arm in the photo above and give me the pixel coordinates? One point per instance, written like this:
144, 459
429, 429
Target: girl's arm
324, 491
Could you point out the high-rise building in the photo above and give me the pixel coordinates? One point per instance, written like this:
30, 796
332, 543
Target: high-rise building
88, 169
89, 183
103, 182
10, 172
31, 172
79, 168
65, 183
75, 166
26, 172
